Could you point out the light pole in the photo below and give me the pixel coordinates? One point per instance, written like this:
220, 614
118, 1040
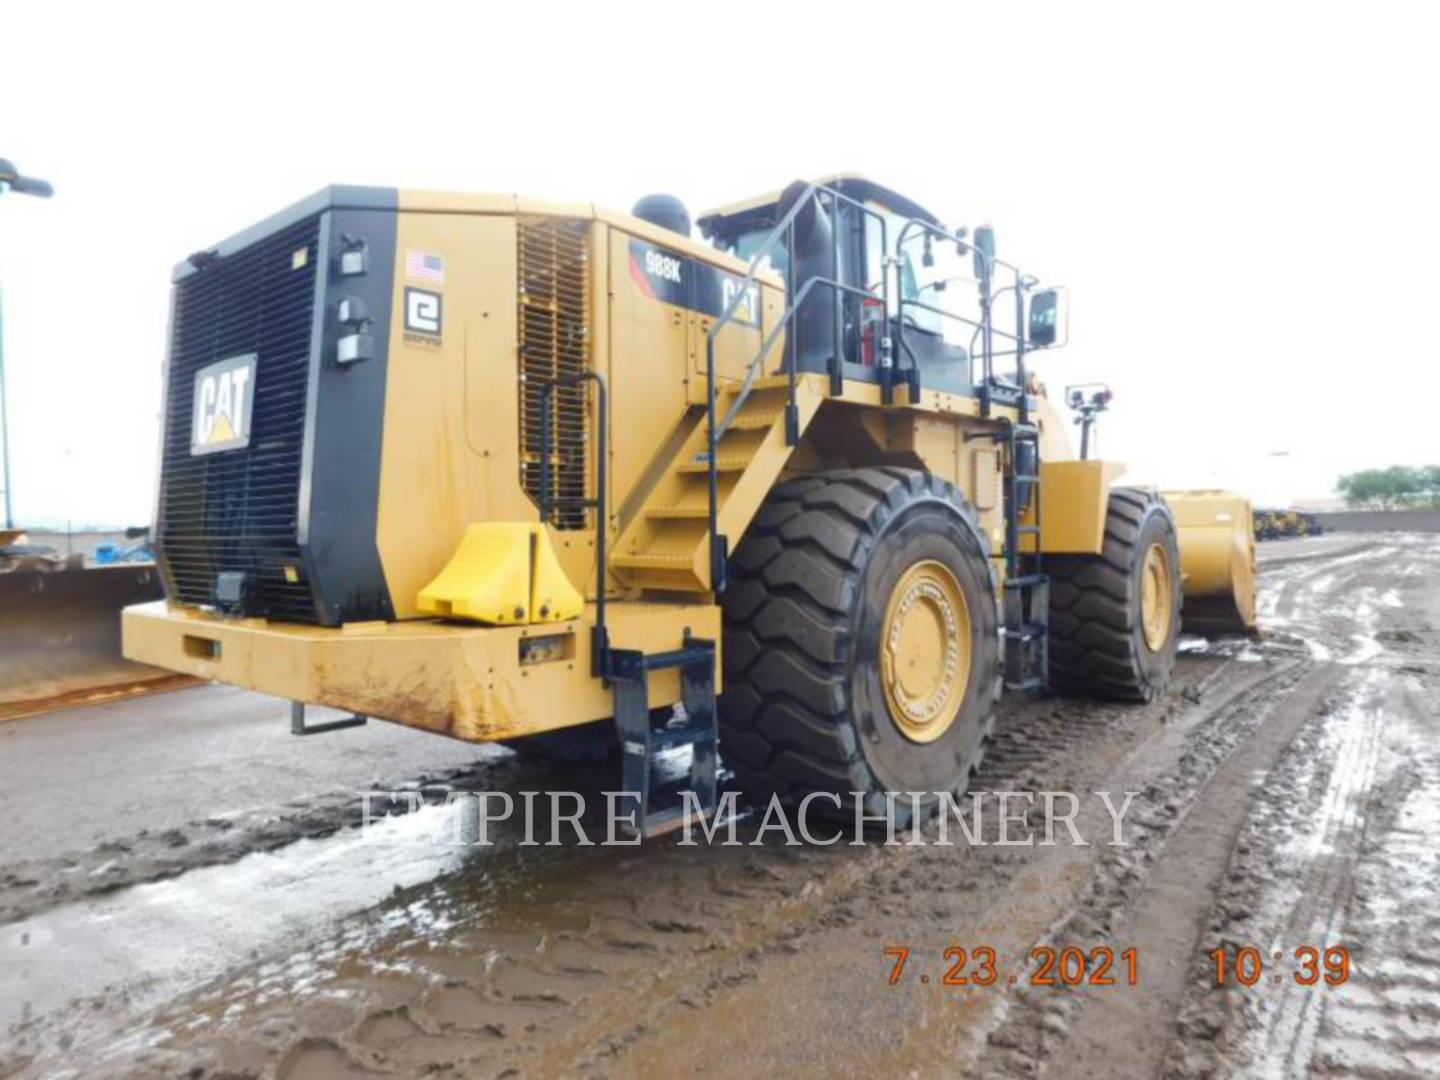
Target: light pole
12, 180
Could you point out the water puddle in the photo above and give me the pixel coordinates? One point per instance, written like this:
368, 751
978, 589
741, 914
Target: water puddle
159, 939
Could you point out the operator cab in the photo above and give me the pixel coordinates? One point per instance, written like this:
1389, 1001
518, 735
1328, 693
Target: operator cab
844, 243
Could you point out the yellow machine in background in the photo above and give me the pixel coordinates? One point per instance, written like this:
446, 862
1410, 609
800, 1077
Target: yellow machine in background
1264, 524
1217, 557
1285, 523
1280, 524
513, 470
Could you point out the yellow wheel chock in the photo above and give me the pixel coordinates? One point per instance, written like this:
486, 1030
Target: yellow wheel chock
503, 573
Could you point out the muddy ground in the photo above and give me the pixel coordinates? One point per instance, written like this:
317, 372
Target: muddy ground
215, 912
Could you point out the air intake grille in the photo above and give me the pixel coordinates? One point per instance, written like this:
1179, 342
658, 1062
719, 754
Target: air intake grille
237, 510
554, 342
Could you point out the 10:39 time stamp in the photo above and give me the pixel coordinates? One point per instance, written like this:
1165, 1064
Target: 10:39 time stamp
1307, 965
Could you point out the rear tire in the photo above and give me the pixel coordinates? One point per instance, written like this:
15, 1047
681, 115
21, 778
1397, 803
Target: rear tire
1099, 644
861, 644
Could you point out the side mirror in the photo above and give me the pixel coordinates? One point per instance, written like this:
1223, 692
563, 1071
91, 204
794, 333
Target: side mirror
1044, 318
984, 248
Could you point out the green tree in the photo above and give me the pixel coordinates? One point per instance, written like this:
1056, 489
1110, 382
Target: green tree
1430, 483
1385, 489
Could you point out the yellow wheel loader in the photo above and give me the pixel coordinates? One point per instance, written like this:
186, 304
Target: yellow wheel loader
1287, 523
1263, 524
539, 473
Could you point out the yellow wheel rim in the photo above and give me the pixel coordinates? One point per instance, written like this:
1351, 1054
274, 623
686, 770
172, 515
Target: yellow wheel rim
925, 651
1157, 597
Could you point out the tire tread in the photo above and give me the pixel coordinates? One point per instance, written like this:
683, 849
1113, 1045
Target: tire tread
796, 577
1094, 607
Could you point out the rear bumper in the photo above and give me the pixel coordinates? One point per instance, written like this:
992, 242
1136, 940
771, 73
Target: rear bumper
469, 682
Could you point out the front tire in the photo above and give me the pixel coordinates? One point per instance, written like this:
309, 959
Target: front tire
1115, 617
861, 646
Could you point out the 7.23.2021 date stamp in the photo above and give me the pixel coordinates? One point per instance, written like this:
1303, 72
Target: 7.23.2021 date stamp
1046, 966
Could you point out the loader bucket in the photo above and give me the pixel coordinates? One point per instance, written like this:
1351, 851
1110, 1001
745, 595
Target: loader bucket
60, 637
1217, 561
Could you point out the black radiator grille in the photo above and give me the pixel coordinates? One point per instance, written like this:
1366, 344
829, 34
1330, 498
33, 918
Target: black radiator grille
554, 342
237, 510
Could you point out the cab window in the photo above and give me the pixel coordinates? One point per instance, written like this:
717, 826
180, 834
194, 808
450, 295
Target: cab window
912, 276
746, 245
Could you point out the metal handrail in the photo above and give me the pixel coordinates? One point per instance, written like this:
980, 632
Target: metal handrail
599, 634
714, 432
769, 341
985, 327
922, 306
783, 227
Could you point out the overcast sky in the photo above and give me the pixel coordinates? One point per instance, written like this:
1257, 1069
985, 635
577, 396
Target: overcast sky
1241, 198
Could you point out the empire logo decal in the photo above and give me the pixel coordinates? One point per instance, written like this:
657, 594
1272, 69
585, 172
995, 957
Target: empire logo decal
422, 315
224, 404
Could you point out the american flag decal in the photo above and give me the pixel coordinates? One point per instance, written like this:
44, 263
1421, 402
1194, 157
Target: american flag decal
423, 266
